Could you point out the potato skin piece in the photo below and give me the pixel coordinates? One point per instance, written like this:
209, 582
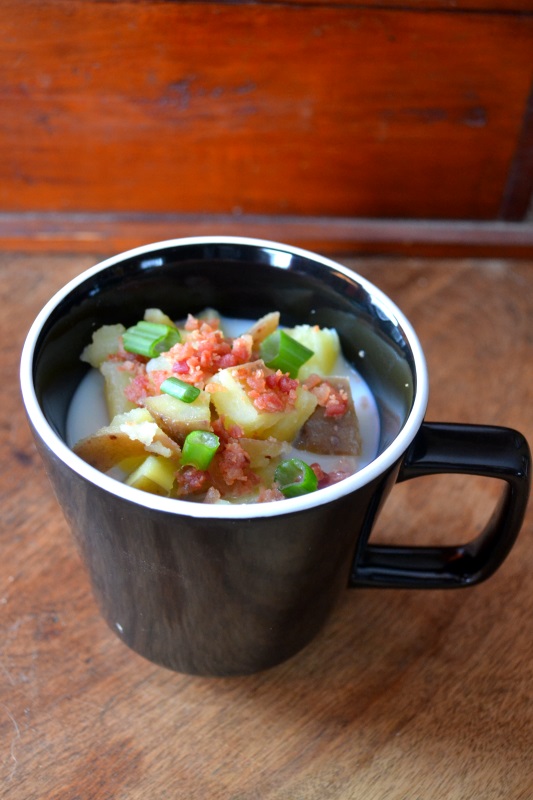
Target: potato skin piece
338, 436
177, 418
129, 435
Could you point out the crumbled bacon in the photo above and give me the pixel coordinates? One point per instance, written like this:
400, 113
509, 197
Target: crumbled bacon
212, 496
231, 464
312, 380
226, 434
268, 390
145, 384
191, 480
269, 495
334, 401
206, 350
328, 478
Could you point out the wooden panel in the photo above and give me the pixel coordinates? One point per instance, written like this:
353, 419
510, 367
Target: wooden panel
112, 233
518, 195
259, 109
485, 6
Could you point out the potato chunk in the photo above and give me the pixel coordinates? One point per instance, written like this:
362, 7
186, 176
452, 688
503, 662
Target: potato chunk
104, 343
332, 435
264, 327
234, 404
265, 455
115, 381
324, 342
129, 435
286, 428
177, 418
155, 475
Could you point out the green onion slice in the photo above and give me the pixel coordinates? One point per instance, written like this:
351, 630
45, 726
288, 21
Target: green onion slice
281, 351
150, 338
180, 389
294, 478
199, 448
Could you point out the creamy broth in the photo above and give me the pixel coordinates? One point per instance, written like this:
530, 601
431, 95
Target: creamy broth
88, 410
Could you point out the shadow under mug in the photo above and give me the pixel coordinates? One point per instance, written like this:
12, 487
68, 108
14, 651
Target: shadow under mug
231, 590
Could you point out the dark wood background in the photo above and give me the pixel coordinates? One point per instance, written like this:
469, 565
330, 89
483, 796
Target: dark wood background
345, 126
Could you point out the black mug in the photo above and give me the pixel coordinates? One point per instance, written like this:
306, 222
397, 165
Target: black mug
234, 589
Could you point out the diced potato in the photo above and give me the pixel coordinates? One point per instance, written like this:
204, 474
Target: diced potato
286, 428
264, 327
156, 475
324, 342
233, 403
158, 316
263, 451
105, 341
129, 435
130, 464
265, 455
116, 379
177, 418
332, 435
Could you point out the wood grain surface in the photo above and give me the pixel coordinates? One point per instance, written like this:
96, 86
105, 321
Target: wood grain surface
403, 696
416, 110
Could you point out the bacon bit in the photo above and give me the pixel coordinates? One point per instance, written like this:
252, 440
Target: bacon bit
226, 434
180, 367
319, 472
234, 463
337, 404
328, 478
212, 496
268, 390
269, 495
145, 384
312, 381
138, 389
135, 367
334, 401
231, 464
191, 480
236, 432
206, 351
213, 388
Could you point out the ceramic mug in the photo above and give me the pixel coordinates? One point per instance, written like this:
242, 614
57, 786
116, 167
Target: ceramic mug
234, 589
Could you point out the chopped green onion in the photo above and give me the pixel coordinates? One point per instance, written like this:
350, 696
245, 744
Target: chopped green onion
199, 448
294, 478
150, 338
180, 389
281, 351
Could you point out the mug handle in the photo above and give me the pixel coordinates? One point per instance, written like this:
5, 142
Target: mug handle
494, 452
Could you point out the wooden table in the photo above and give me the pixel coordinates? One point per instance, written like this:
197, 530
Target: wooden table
404, 695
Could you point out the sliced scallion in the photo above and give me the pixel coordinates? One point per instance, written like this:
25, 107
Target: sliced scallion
294, 478
199, 448
281, 351
180, 389
150, 338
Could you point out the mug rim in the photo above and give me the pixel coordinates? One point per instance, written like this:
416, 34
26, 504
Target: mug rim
377, 467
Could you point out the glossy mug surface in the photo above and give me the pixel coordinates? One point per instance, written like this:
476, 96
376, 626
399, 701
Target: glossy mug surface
234, 589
